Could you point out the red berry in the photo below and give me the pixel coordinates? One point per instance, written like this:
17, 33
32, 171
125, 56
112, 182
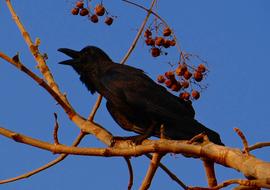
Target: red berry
155, 52
150, 42
169, 75
161, 79
79, 4
185, 84
109, 20
195, 94
166, 44
184, 95
75, 11
84, 12
201, 68
172, 42
100, 10
94, 18
167, 31
159, 41
168, 83
198, 76
180, 70
176, 86
187, 75
147, 33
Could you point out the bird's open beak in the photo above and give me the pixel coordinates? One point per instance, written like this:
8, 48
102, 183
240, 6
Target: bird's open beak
75, 55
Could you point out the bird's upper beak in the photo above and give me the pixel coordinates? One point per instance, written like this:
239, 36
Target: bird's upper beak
75, 55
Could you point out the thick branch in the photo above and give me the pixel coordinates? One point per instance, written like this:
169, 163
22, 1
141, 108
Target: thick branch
230, 157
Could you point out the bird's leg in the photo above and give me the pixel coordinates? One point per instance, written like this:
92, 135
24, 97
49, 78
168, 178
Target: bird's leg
147, 133
137, 139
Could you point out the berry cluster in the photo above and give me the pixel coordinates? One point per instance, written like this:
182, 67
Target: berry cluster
99, 11
158, 42
181, 79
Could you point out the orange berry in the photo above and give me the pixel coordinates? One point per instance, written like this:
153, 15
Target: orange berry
150, 42
195, 94
172, 42
94, 18
184, 95
176, 86
159, 41
180, 70
109, 20
187, 75
168, 83
155, 52
201, 68
185, 84
167, 31
79, 4
147, 33
198, 76
161, 79
100, 10
84, 12
75, 11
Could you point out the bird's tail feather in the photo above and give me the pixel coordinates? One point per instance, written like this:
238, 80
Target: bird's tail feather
192, 128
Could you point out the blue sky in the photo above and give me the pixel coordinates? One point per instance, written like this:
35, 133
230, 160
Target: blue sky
233, 36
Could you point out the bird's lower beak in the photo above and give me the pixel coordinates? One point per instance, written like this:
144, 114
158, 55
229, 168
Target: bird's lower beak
71, 53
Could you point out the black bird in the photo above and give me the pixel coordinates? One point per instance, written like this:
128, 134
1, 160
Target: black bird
134, 100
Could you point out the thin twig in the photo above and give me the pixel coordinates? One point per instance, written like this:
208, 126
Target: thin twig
130, 171
162, 20
244, 140
170, 173
259, 145
15, 62
55, 130
131, 48
196, 138
46, 166
95, 108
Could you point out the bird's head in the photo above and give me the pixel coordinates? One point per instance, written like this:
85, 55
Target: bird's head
86, 56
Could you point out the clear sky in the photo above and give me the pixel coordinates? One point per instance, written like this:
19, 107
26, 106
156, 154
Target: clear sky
233, 36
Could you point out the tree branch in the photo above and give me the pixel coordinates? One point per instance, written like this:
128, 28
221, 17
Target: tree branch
210, 172
151, 171
259, 145
44, 69
46, 166
230, 157
131, 48
86, 126
264, 183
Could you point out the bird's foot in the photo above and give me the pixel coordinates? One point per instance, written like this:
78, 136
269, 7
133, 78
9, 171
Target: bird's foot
138, 139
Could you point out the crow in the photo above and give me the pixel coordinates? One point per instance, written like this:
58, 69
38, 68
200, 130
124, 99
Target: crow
134, 100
